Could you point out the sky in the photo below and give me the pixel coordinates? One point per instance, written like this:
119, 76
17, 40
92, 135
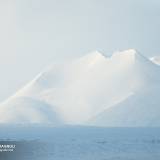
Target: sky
36, 33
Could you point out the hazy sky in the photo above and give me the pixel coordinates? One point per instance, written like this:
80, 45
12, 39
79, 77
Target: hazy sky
36, 33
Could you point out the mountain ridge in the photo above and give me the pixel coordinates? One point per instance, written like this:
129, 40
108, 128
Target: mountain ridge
76, 91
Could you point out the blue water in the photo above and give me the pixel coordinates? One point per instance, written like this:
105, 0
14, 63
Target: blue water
82, 143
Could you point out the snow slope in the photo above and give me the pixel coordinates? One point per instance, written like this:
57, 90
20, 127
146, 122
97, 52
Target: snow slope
86, 89
138, 110
28, 110
155, 60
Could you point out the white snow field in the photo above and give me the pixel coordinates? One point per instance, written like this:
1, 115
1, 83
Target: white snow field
155, 60
118, 91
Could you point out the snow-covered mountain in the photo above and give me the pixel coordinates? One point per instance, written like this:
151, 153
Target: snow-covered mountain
155, 59
29, 110
121, 90
138, 110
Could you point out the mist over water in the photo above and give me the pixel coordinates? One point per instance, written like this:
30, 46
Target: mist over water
75, 142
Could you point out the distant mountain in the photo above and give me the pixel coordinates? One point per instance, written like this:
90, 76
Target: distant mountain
91, 90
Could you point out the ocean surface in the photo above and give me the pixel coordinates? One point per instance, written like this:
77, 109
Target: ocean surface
79, 143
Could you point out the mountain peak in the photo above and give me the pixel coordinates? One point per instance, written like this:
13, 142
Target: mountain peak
129, 55
93, 58
126, 53
96, 54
